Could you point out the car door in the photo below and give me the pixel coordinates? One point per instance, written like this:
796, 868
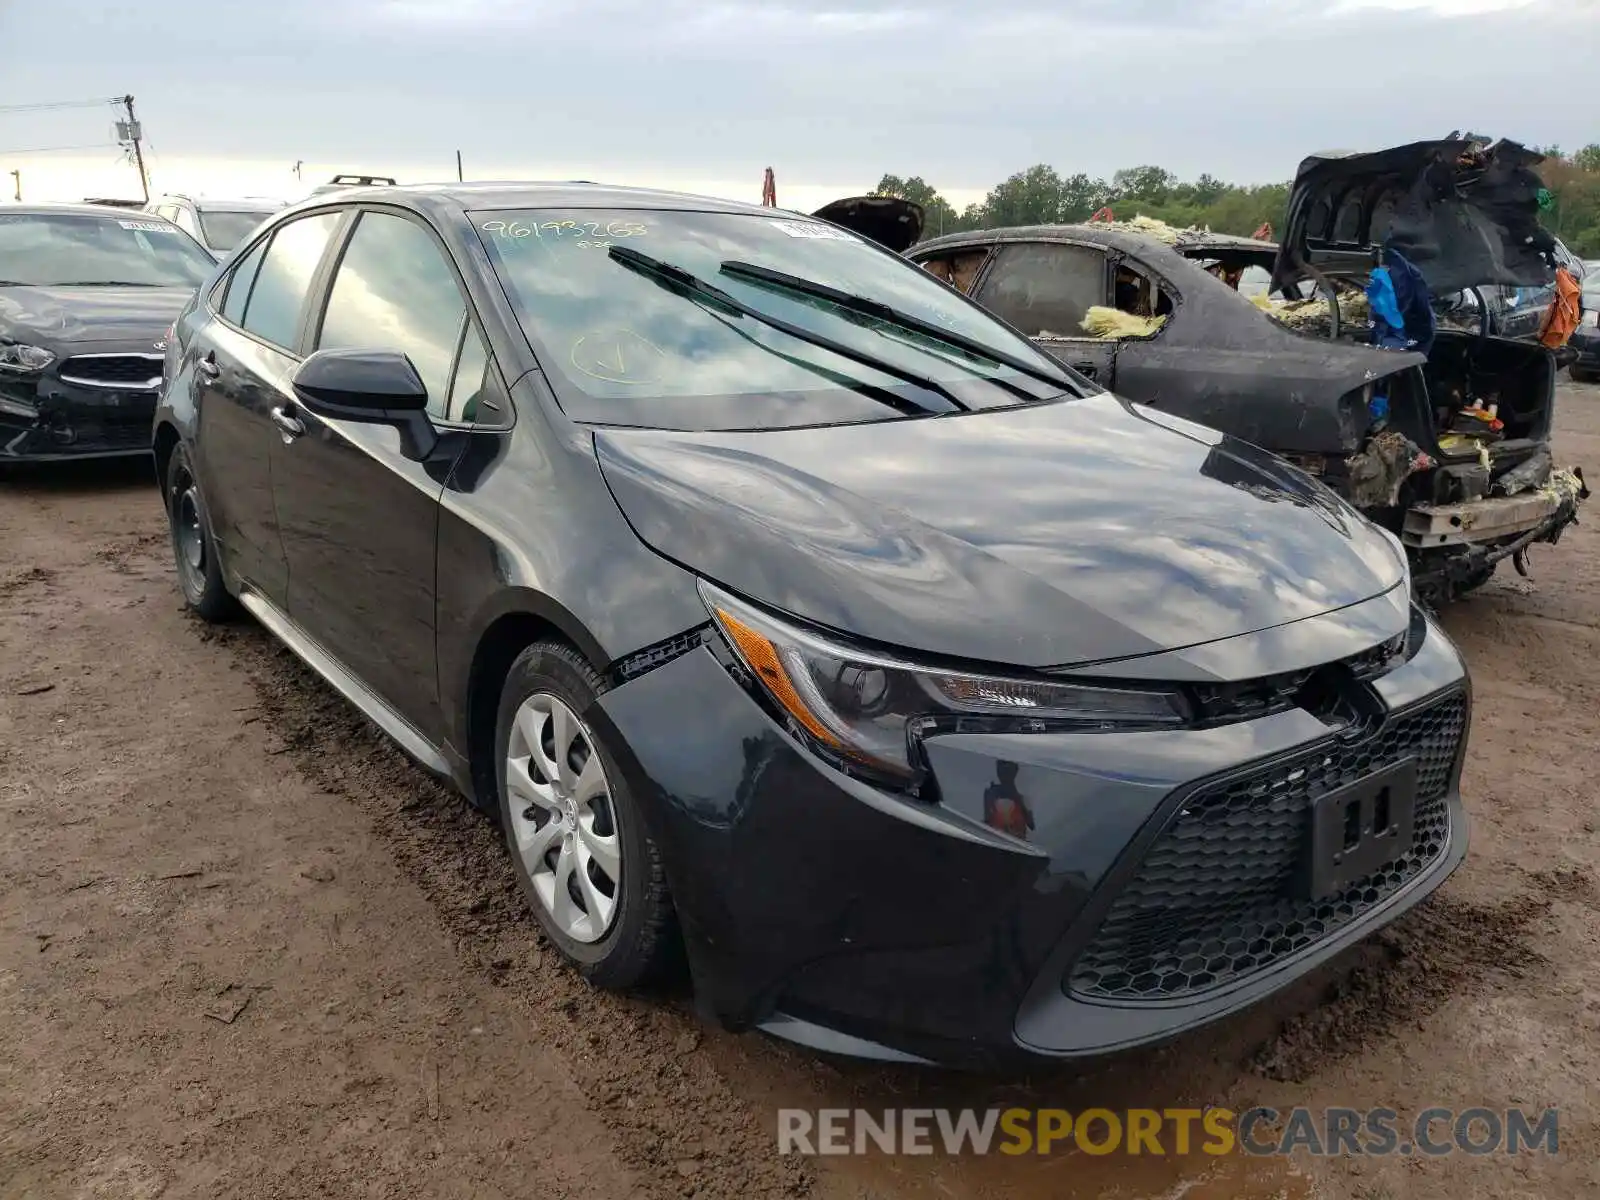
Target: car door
1046, 289
359, 519
241, 361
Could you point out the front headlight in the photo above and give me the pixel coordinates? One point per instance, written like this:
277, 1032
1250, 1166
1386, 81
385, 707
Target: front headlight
24, 359
870, 710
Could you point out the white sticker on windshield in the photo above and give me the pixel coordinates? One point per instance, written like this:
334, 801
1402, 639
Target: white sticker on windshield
145, 226
813, 229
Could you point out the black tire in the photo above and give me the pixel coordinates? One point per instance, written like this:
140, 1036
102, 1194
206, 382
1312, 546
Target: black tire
194, 554
637, 946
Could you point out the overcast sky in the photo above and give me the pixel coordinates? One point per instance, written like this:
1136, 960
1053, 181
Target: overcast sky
831, 94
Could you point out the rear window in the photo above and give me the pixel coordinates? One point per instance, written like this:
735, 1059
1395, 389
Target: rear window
620, 347
225, 229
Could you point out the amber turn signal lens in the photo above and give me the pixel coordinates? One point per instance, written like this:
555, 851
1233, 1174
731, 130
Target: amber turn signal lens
762, 657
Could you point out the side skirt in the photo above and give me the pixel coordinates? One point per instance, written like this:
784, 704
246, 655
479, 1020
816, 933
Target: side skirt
346, 684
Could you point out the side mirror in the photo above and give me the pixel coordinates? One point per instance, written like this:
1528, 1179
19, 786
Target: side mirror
378, 387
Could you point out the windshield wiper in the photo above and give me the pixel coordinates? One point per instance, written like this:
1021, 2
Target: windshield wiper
868, 307
106, 283
674, 278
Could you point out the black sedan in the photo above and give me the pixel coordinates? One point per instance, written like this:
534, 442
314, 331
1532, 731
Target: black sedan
1585, 343
785, 605
86, 298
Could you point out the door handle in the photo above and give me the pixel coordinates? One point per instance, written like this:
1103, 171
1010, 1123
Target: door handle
289, 426
207, 366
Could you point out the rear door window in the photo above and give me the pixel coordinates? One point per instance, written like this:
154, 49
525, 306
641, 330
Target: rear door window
1045, 290
277, 301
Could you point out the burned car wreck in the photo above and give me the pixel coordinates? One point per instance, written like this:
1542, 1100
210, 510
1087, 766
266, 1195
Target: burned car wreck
1441, 436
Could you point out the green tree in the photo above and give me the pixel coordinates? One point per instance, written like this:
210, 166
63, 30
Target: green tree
1154, 184
938, 215
1031, 197
1042, 195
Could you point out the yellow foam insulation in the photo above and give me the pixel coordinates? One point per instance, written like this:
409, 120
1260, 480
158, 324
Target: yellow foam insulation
1353, 309
1562, 486
1111, 323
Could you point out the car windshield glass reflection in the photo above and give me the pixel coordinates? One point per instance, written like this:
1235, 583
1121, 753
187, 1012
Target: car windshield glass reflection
75, 249
630, 351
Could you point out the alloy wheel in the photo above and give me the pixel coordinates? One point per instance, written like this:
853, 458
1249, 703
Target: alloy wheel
563, 824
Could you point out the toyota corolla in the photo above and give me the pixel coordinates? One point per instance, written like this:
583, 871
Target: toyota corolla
787, 607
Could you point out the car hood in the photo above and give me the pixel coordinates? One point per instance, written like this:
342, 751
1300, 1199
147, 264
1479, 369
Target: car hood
89, 314
1049, 535
893, 223
1466, 213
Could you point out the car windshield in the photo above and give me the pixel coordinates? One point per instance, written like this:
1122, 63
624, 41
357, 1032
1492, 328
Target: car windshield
224, 229
62, 249
627, 340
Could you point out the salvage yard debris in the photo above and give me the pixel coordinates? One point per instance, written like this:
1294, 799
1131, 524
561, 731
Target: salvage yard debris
1102, 321
1315, 312
1378, 471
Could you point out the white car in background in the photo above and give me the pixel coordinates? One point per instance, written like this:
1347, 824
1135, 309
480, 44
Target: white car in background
218, 225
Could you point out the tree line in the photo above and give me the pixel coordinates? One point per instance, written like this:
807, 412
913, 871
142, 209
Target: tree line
1043, 196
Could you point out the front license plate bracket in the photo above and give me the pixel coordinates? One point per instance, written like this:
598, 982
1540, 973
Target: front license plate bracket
1358, 828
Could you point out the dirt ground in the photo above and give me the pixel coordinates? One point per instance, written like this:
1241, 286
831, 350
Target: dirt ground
246, 949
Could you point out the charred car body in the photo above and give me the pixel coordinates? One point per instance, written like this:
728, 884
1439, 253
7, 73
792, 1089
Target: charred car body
86, 298
1445, 442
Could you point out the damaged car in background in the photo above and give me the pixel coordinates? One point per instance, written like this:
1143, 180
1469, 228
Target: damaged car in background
1439, 435
86, 298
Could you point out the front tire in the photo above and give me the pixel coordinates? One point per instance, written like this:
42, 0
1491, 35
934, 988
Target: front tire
591, 872
193, 551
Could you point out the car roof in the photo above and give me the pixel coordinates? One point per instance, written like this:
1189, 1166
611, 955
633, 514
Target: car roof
1113, 236
497, 195
82, 210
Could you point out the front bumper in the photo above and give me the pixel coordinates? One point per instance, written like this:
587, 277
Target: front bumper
851, 919
45, 418
1585, 345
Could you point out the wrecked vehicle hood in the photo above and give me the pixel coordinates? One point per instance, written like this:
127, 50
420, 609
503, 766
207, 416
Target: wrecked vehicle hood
893, 223
1464, 212
58, 315
1048, 535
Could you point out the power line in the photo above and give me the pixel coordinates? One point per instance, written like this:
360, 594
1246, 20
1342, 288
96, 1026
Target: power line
55, 104
53, 149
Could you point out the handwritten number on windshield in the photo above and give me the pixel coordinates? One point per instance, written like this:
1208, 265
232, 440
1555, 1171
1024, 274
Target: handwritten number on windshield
585, 233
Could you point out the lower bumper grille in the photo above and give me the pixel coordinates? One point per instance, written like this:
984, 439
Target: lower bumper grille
125, 372
1215, 901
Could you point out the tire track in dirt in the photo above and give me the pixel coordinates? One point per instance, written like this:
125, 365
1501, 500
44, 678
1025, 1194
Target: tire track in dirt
637, 1059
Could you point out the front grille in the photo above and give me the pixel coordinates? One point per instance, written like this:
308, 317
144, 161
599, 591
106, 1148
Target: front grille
129, 372
1215, 898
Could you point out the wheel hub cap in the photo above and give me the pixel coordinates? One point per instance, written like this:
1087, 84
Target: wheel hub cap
191, 543
563, 824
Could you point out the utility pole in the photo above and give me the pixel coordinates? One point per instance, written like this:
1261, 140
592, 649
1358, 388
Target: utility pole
129, 131
460, 178
17, 176
298, 163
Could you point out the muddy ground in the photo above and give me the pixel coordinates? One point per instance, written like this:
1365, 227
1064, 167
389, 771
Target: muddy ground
246, 949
